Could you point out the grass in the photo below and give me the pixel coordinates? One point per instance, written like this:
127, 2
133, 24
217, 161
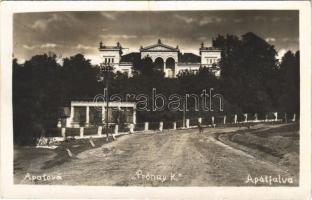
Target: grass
76, 147
279, 145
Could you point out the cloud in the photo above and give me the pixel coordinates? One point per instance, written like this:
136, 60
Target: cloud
42, 24
95, 59
288, 39
49, 45
202, 21
109, 15
113, 36
83, 47
150, 36
185, 19
237, 20
259, 18
202, 38
46, 45
209, 20
28, 47
277, 19
77, 31
21, 61
60, 60
280, 53
285, 39
270, 39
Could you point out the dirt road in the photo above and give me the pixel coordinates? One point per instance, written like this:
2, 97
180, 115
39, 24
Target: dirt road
173, 158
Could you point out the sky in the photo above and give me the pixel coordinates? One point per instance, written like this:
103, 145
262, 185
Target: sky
69, 33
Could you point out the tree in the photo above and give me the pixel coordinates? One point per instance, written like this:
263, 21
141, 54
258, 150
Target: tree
289, 89
247, 69
79, 77
36, 97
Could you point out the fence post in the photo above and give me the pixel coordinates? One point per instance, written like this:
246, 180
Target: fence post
161, 126
294, 118
100, 130
87, 116
275, 115
212, 121
266, 117
146, 126
246, 117
59, 124
131, 128
81, 131
187, 123
200, 120
235, 119
63, 131
174, 125
285, 117
116, 129
68, 122
224, 119
256, 117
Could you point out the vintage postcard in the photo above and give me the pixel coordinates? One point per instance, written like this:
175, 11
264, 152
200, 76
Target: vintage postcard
156, 100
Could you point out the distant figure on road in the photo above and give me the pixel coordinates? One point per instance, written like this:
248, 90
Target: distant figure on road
200, 128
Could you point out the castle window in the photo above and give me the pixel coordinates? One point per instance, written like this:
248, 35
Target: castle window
112, 60
105, 61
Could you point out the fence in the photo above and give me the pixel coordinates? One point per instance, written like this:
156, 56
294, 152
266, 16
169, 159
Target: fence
211, 121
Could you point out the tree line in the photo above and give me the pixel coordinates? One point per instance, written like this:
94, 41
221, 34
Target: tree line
252, 81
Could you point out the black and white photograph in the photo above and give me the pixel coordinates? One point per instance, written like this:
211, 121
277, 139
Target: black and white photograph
158, 98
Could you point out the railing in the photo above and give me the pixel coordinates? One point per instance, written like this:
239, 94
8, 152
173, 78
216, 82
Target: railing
125, 63
211, 121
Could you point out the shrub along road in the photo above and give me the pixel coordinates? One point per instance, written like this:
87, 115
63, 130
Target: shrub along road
218, 157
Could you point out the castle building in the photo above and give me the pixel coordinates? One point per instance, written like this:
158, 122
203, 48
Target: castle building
168, 59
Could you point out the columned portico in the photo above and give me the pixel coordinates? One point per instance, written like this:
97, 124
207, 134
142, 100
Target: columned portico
71, 118
99, 111
163, 55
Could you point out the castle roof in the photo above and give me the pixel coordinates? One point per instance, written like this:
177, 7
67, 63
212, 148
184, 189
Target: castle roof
159, 47
188, 58
131, 57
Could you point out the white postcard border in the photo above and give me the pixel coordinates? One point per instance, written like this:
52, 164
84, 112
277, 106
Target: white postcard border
8, 189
